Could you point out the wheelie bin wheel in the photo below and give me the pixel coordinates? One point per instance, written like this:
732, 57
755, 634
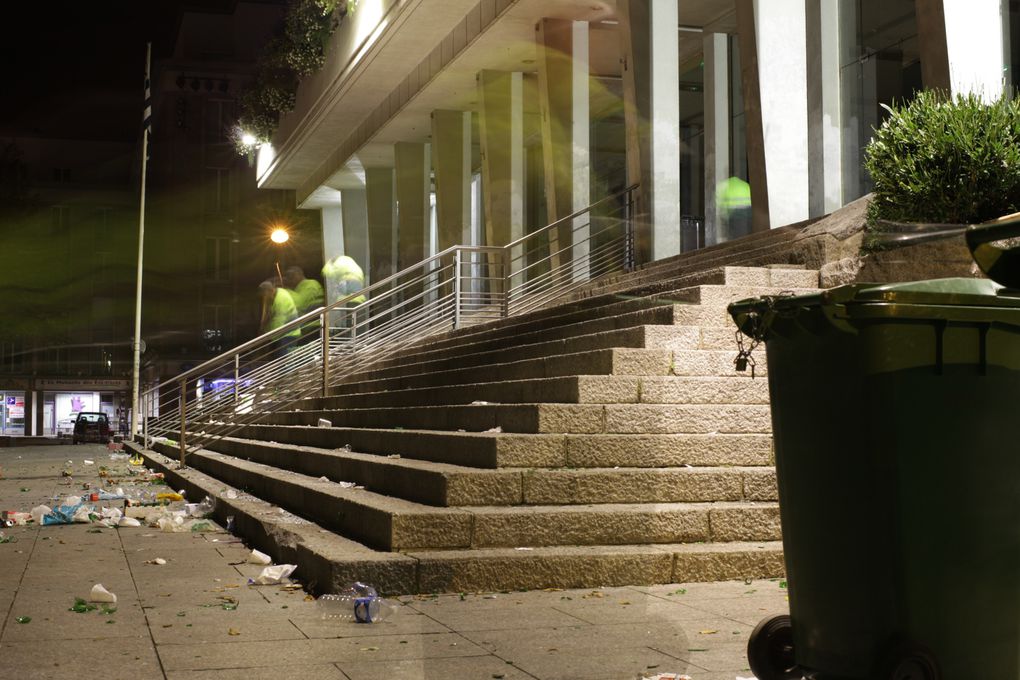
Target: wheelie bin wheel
770, 650
909, 661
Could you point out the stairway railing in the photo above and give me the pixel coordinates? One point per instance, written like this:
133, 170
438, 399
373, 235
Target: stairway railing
459, 287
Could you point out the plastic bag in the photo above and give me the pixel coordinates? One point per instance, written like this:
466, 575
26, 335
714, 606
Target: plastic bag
39, 512
274, 575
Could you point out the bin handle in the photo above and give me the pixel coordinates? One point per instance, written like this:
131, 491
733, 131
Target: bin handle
1001, 265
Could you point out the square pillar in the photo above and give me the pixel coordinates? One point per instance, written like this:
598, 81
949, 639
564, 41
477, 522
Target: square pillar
717, 133
501, 127
354, 218
563, 80
651, 91
451, 162
961, 45
381, 211
413, 175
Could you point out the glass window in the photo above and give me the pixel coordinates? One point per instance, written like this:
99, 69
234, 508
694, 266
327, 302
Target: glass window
880, 64
217, 258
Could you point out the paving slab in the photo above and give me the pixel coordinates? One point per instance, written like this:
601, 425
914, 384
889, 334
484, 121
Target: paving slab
197, 618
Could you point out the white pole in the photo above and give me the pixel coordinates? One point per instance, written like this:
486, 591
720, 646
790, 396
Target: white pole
136, 345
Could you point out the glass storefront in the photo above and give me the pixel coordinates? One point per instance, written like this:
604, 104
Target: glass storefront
12, 413
880, 64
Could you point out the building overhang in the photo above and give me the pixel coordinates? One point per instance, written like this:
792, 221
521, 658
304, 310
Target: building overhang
393, 62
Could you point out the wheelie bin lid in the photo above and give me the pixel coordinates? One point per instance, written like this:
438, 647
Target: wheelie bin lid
957, 298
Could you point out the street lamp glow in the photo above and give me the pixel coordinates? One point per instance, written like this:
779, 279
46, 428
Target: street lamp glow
248, 139
279, 236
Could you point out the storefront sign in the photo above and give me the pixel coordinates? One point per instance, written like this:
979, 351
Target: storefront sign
81, 384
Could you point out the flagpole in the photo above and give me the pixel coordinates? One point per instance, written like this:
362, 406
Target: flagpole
136, 345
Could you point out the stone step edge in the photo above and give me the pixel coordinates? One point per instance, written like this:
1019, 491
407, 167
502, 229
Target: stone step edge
326, 562
576, 383
516, 480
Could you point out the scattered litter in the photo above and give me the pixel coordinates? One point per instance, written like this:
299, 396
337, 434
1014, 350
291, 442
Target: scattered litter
119, 456
325, 423
230, 523
89, 462
136, 460
259, 557
496, 429
7, 539
23, 619
159, 561
393, 455
169, 497
128, 522
349, 485
479, 403
324, 478
272, 576
40, 511
101, 594
233, 631
357, 602
523, 548
231, 494
80, 606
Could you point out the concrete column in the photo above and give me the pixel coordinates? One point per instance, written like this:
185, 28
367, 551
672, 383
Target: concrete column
651, 91
29, 419
413, 173
717, 131
961, 45
563, 77
501, 105
825, 185
332, 234
756, 175
451, 162
381, 210
354, 213
777, 61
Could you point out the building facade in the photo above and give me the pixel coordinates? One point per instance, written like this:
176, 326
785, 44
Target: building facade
457, 121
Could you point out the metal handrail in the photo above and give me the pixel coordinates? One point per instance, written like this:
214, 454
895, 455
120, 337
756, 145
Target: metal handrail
459, 286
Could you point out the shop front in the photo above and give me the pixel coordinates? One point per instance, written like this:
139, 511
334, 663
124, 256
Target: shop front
61, 401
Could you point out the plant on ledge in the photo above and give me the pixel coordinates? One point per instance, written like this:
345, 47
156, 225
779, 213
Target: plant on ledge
299, 52
940, 160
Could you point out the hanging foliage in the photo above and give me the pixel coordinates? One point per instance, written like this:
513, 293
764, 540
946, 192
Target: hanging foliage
298, 52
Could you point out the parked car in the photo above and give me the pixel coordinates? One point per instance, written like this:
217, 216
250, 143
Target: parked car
91, 427
65, 426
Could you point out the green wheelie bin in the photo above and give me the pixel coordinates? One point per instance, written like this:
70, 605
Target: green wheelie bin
899, 476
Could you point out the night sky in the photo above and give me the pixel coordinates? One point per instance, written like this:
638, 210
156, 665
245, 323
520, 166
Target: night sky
74, 70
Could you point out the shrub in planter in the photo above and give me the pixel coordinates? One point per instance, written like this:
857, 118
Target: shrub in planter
945, 160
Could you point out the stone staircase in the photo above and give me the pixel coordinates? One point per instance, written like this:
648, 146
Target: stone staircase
603, 441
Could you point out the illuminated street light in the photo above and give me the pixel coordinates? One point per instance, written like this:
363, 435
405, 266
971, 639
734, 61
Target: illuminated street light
248, 139
279, 237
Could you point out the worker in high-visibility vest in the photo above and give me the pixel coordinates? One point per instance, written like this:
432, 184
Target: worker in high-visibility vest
733, 198
347, 277
307, 293
278, 309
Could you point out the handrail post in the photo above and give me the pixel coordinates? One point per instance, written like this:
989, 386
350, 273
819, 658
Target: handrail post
184, 400
456, 289
237, 379
324, 325
628, 225
146, 407
505, 288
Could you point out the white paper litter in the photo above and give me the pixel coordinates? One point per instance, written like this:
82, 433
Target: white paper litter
231, 494
495, 429
324, 478
479, 403
259, 557
128, 522
40, 511
101, 594
325, 423
81, 515
89, 462
273, 575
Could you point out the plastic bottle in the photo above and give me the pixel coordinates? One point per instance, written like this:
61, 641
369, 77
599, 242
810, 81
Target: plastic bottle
358, 603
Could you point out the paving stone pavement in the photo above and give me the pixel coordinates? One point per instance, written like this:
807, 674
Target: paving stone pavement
170, 621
